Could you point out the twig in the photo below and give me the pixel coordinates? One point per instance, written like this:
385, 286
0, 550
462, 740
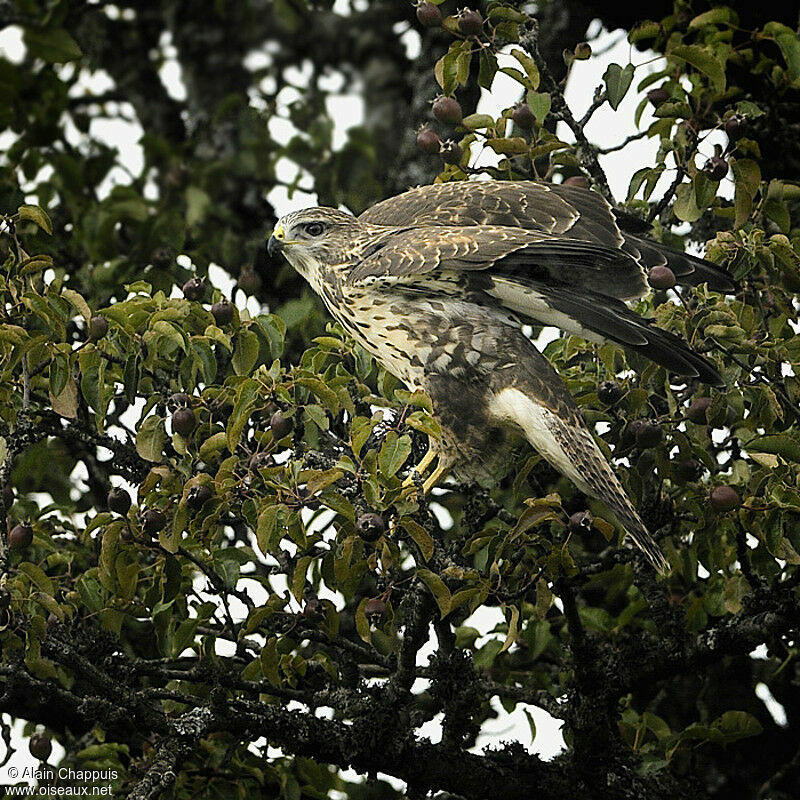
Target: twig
587, 152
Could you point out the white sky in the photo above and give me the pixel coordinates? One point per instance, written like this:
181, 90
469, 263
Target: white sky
607, 128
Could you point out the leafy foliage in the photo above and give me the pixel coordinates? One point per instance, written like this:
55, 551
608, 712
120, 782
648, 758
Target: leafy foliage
261, 559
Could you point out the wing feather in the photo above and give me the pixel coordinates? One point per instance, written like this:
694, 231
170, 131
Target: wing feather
547, 208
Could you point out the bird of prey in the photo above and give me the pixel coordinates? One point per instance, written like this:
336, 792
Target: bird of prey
436, 284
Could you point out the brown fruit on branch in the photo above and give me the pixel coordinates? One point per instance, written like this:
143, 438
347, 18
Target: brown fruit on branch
658, 96
450, 152
429, 15
119, 501
523, 117
280, 426
649, 434
580, 522
698, 411
661, 277
198, 495
20, 537
98, 328
184, 421
724, 498
40, 746
194, 289
153, 520
447, 109
428, 141
370, 527
609, 392
222, 312
469, 22
716, 168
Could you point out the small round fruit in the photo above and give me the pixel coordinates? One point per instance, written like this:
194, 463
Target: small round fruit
523, 117
580, 522
161, 258
609, 392
447, 109
450, 152
724, 498
98, 328
429, 15
184, 421
577, 180
469, 22
734, 127
375, 607
689, 469
583, 50
698, 410
648, 435
20, 537
658, 96
370, 527
40, 746
119, 501
198, 495
153, 520
223, 312
661, 277
179, 400
249, 281
280, 426
428, 141
194, 289
716, 168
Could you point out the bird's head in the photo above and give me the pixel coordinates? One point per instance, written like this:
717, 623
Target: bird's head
315, 240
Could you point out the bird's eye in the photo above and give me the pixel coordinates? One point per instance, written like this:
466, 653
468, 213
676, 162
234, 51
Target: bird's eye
314, 228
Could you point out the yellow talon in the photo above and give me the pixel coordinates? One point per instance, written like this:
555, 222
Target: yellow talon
434, 478
420, 468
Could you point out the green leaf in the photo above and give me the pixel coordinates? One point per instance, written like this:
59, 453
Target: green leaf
477, 121
438, 589
779, 444
420, 536
618, 81
245, 352
508, 146
54, 45
198, 204
685, 206
539, 103
394, 452
529, 65
245, 402
716, 16
487, 68
37, 215
151, 438
704, 60
737, 725
513, 623
747, 179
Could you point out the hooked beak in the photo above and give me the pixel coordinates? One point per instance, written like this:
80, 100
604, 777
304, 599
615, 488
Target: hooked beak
276, 241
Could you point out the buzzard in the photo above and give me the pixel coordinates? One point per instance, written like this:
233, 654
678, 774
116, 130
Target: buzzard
436, 284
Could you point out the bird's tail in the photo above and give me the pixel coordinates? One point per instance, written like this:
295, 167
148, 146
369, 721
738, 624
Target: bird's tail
570, 448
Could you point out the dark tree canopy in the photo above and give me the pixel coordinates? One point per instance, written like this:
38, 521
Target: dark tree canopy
213, 584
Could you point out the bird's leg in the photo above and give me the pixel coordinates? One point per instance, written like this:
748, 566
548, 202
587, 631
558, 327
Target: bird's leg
421, 467
434, 478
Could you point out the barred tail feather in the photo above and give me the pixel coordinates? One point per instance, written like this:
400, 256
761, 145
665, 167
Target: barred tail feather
570, 448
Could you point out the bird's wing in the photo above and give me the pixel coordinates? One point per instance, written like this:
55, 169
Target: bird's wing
549, 280
547, 208
599, 318
514, 253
